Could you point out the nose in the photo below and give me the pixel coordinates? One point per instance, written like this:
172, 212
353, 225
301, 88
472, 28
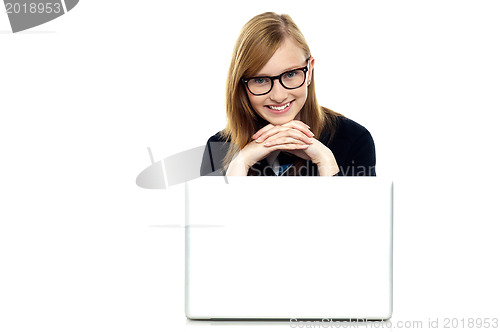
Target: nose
278, 93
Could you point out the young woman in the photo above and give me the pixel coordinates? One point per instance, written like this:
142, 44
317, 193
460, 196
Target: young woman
275, 125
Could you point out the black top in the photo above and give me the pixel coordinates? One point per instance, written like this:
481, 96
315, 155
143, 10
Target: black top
352, 146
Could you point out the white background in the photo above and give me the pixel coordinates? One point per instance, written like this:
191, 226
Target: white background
82, 97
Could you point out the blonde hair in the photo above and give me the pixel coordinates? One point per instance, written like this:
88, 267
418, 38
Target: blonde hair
259, 39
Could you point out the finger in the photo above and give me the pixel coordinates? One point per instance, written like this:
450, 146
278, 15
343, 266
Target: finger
299, 125
273, 131
284, 140
289, 146
261, 131
305, 124
293, 133
276, 130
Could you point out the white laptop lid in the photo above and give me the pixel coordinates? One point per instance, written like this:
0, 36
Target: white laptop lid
289, 247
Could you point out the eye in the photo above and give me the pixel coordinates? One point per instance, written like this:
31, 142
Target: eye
259, 80
291, 74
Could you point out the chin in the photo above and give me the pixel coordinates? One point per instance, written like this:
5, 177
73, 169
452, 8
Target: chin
279, 121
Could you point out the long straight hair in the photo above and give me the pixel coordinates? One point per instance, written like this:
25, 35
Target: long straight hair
259, 39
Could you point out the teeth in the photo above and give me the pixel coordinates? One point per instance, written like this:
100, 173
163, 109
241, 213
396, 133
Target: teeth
278, 108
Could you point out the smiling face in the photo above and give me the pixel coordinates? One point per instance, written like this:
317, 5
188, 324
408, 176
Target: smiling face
282, 105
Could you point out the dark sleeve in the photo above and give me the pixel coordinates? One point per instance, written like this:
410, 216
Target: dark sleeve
361, 157
213, 156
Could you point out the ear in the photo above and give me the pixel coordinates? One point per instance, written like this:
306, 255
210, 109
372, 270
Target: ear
310, 71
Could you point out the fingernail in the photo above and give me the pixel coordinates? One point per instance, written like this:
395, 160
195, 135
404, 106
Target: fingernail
311, 140
258, 140
304, 145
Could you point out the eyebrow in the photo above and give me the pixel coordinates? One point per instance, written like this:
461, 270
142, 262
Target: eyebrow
284, 71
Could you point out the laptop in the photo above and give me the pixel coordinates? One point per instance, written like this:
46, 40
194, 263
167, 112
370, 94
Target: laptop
288, 248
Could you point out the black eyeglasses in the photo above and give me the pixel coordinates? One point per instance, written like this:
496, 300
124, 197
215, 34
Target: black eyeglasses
291, 79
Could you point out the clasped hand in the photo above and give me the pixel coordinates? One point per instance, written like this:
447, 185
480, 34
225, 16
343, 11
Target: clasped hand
294, 137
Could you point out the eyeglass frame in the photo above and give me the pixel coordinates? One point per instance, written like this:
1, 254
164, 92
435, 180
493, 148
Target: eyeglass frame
305, 69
